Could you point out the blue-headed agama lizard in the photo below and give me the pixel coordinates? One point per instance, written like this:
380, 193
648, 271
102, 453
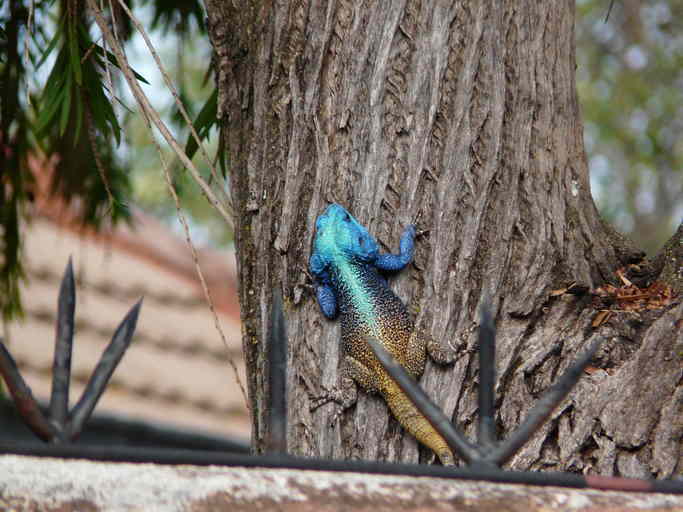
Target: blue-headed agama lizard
346, 265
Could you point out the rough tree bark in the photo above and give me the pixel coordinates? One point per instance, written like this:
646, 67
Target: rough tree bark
464, 112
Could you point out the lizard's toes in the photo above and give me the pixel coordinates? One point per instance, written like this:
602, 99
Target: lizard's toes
318, 401
441, 354
327, 395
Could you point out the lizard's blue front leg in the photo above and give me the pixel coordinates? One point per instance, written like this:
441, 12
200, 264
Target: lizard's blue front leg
395, 262
327, 301
323, 289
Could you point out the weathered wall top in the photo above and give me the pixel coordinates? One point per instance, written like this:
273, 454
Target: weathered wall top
28, 483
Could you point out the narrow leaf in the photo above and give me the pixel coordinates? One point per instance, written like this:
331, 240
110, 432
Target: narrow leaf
74, 56
46, 115
51, 46
66, 107
222, 156
78, 100
112, 59
203, 123
55, 79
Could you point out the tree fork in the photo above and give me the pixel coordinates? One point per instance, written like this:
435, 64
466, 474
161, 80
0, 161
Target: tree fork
464, 113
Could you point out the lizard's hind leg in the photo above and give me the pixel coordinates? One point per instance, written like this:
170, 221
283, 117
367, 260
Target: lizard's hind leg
439, 351
346, 392
419, 345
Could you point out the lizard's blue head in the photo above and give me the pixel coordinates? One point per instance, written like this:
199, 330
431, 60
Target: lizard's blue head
340, 237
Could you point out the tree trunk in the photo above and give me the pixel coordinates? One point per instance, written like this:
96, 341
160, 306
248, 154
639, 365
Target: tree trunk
464, 113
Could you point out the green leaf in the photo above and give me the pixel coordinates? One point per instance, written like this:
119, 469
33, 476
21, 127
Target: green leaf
66, 107
46, 115
115, 128
74, 55
112, 59
98, 117
79, 117
205, 120
108, 116
102, 109
100, 52
55, 80
222, 156
120, 102
49, 49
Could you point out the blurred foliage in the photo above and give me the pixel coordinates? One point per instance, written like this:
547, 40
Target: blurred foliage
13, 143
630, 82
63, 115
186, 53
60, 101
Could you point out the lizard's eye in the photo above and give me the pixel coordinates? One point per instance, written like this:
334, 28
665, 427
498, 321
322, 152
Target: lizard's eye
347, 217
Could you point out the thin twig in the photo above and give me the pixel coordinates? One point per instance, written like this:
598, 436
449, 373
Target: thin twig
609, 10
92, 139
195, 259
107, 64
151, 114
29, 30
87, 53
169, 83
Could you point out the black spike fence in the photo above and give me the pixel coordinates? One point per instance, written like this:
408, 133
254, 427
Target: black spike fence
60, 428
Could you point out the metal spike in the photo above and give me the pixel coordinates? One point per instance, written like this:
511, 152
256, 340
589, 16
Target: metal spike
104, 370
543, 408
486, 434
61, 366
277, 376
23, 397
454, 438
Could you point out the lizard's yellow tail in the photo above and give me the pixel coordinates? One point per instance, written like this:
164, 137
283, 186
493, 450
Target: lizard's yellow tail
414, 422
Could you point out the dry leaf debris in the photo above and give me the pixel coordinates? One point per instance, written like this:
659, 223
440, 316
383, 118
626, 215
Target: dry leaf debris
629, 297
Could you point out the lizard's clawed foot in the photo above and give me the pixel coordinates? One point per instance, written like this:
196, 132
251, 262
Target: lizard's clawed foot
440, 354
328, 395
335, 395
